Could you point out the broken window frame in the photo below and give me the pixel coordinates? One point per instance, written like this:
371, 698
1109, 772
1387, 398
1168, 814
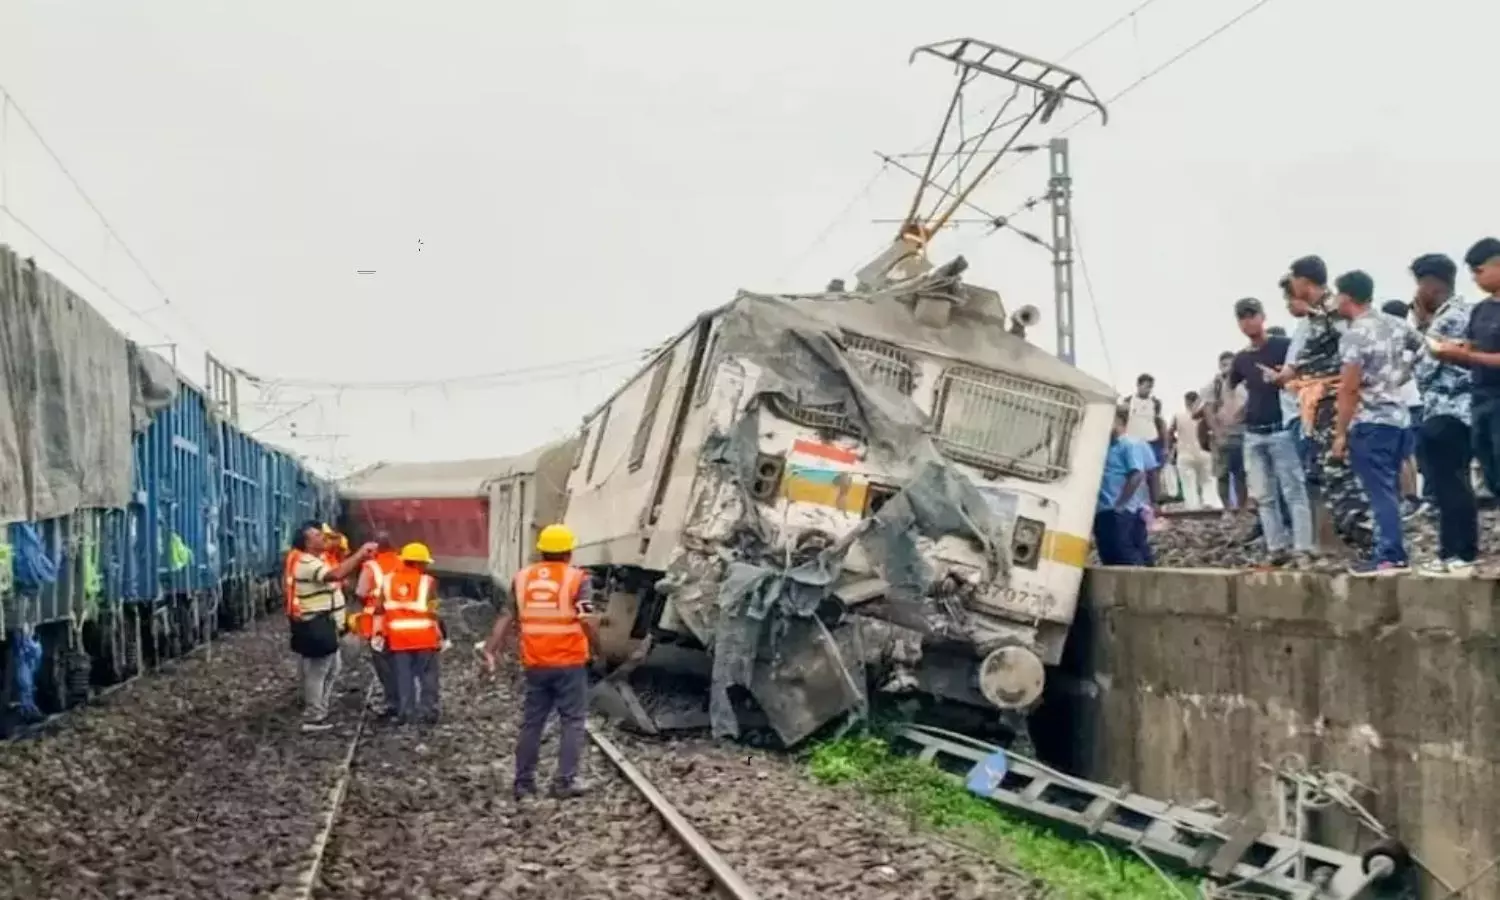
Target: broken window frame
882, 361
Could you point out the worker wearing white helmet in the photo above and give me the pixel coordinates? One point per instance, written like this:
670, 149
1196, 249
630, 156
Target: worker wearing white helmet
551, 603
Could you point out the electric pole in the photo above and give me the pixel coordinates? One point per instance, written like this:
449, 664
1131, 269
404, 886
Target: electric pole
1060, 198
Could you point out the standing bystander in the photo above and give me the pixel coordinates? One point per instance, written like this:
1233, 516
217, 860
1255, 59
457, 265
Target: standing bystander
1314, 374
1372, 419
1195, 463
1120, 533
1412, 472
1146, 424
1446, 442
1226, 409
1272, 467
1480, 351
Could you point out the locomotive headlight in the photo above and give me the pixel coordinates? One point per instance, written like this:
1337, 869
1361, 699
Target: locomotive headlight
1026, 543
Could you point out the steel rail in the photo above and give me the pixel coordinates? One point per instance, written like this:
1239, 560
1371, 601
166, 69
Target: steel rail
307, 882
722, 871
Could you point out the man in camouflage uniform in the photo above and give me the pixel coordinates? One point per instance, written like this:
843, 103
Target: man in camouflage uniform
1370, 431
1314, 376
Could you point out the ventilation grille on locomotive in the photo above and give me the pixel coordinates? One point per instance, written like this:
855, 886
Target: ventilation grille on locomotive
1007, 425
881, 362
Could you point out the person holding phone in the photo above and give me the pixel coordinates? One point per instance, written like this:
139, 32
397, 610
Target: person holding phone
1273, 466
1445, 437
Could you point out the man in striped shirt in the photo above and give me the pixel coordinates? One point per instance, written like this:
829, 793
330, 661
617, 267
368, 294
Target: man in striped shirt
316, 610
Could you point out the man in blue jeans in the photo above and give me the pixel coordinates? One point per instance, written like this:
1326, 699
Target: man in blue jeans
1273, 466
1371, 419
1120, 533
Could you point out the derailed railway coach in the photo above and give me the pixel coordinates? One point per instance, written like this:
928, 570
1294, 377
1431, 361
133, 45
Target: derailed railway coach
477, 516
838, 491
138, 518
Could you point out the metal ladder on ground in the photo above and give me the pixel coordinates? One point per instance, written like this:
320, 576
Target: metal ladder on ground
1237, 851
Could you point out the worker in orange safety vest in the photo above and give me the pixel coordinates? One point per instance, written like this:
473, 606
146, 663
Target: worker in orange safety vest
411, 635
366, 622
551, 602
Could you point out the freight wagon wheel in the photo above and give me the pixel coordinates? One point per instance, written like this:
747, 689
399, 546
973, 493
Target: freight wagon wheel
52, 677
102, 641
130, 659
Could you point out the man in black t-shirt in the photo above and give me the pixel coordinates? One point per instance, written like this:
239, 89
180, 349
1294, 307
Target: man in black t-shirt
1273, 466
1481, 352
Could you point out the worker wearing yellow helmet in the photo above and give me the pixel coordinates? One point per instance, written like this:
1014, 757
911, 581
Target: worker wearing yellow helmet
551, 602
412, 635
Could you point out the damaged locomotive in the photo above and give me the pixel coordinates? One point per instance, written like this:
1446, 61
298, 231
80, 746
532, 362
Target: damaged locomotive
887, 489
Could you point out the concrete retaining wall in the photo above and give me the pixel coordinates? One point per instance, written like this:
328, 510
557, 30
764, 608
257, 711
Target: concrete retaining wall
1188, 681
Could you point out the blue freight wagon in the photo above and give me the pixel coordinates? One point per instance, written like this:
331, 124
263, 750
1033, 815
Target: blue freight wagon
99, 595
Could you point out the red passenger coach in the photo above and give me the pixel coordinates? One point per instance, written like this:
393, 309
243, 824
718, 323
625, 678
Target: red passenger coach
479, 517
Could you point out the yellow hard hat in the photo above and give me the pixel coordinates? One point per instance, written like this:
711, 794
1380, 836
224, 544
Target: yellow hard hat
416, 552
555, 539
326, 529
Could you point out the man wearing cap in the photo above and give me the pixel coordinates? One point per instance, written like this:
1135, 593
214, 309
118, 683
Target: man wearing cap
1314, 375
1371, 419
1272, 467
1446, 437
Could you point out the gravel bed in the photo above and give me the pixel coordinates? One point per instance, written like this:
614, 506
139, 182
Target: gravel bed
429, 815
193, 785
793, 838
1225, 541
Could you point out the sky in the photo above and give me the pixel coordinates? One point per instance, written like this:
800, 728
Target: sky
545, 191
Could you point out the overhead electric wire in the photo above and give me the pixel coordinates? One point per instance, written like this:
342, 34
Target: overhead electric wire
83, 273
9, 103
1088, 286
524, 375
1171, 61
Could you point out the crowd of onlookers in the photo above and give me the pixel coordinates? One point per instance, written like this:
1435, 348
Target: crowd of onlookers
1377, 412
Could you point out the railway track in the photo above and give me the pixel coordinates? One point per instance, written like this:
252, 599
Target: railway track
202, 786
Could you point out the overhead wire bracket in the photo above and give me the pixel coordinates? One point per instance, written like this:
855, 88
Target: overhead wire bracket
1040, 89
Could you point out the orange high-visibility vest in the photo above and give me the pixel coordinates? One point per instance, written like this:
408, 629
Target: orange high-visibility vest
552, 635
409, 620
379, 568
289, 581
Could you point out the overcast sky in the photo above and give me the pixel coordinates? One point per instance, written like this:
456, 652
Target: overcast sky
573, 181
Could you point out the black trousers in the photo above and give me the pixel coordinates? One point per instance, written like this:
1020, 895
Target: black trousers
1447, 445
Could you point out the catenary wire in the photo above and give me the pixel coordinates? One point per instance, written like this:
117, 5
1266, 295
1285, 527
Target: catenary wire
1171, 61
524, 375
10, 104
83, 273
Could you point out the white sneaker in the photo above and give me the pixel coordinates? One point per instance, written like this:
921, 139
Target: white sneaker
1433, 568
1459, 568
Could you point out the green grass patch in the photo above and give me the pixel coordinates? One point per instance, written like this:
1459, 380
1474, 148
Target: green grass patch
1073, 869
